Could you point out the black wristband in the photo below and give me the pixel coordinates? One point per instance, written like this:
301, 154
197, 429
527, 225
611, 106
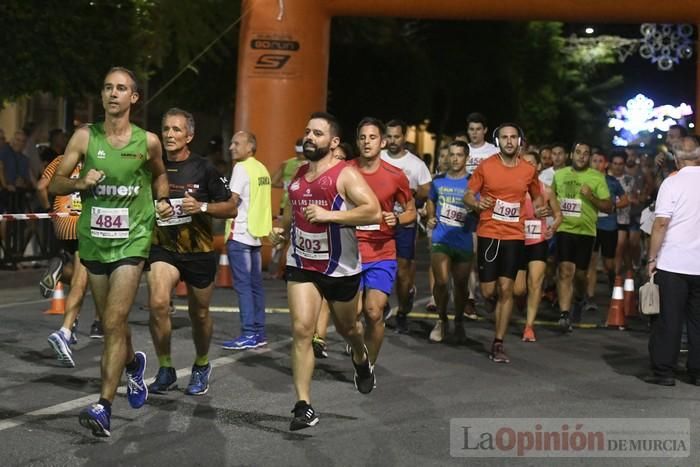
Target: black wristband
164, 198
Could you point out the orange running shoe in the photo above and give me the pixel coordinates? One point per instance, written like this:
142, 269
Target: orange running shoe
529, 334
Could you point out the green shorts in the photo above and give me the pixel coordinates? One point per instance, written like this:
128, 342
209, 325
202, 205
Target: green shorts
455, 254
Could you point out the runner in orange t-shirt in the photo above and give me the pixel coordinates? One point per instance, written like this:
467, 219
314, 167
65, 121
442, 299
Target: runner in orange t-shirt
502, 181
65, 229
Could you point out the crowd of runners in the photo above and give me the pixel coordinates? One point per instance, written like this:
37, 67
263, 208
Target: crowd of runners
508, 223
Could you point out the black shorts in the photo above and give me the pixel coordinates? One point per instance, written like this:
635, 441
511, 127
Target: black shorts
498, 258
333, 289
196, 269
606, 242
574, 248
623, 227
106, 269
69, 246
536, 252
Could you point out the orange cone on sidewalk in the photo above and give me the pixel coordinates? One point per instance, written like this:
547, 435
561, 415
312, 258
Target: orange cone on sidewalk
58, 302
616, 312
181, 289
223, 275
630, 296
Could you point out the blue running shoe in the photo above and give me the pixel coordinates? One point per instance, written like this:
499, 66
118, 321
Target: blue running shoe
61, 348
166, 380
96, 417
246, 341
136, 389
199, 381
261, 339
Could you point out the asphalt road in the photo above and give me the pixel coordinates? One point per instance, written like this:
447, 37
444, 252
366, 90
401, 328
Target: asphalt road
244, 420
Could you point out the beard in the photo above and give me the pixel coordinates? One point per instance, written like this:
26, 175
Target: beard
314, 153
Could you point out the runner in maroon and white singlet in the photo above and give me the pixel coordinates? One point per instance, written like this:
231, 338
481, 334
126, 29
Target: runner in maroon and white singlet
327, 199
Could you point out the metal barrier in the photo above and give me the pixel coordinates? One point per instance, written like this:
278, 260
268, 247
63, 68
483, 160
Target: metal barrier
24, 236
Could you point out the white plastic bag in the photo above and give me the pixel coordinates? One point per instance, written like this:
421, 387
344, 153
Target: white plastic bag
649, 298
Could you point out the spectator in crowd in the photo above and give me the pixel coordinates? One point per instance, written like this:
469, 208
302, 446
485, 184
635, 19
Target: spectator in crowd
674, 254
57, 144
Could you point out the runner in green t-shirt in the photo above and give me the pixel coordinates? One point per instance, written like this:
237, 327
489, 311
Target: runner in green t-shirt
581, 192
122, 171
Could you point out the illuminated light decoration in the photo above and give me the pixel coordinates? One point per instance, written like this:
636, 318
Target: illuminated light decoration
666, 44
640, 115
662, 44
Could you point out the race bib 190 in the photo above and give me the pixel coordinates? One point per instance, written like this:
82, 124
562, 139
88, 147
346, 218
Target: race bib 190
312, 246
109, 222
570, 207
506, 212
178, 217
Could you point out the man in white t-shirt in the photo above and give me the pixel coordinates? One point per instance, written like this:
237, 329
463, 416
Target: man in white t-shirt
674, 253
419, 180
250, 187
559, 157
479, 148
479, 151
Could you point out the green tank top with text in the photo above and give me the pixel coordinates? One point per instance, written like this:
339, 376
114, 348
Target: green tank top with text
118, 213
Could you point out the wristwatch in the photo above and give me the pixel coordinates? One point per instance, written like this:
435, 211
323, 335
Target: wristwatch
203, 207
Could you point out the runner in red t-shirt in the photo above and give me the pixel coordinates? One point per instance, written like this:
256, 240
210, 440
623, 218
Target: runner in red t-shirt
377, 244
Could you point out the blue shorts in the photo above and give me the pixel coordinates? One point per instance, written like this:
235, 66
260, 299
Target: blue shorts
379, 275
405, 242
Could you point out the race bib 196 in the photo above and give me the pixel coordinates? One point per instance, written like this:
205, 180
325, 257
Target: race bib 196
570, 207
452, 215
506, 212
109, 222
312, 246
178, 217
533, 229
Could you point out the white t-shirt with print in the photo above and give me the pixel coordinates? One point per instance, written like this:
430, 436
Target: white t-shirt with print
479, 155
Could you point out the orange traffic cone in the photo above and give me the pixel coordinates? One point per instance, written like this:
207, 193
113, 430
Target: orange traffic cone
223, 275
630, 296
58, 301
616, 312
181, 289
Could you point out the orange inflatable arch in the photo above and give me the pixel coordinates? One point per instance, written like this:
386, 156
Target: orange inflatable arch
284, 49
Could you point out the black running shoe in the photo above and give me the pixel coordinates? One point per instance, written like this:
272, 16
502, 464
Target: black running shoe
96, 331
51, 277
304, 416
565, 322
320, 347
402, 323
364, 375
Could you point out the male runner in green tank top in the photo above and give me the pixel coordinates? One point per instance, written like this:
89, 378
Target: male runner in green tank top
122, 173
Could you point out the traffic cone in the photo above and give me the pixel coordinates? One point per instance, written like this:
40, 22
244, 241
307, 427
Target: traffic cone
630, 296
223, 275
181, 289
58, 301
616, 312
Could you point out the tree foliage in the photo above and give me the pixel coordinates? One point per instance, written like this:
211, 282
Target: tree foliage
443, 70
65, 47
